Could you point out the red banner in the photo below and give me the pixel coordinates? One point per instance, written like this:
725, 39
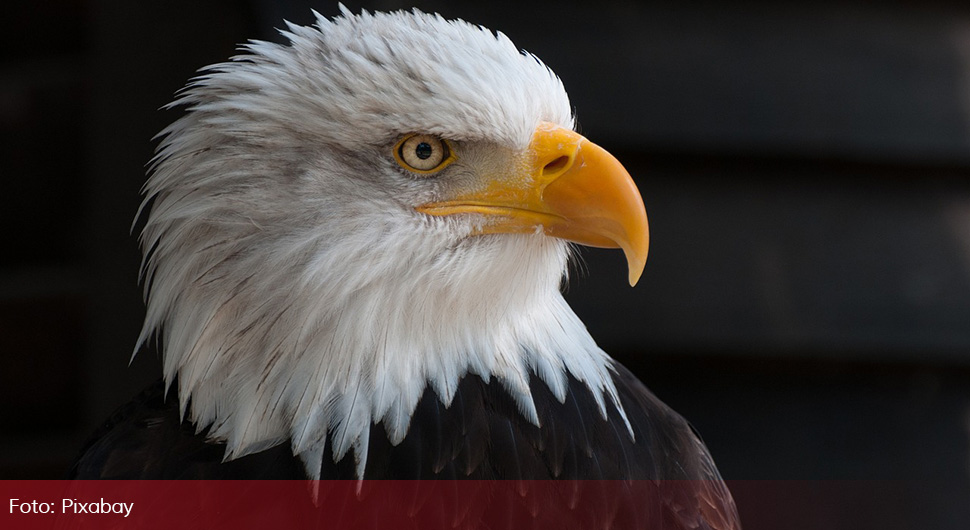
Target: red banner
547, 505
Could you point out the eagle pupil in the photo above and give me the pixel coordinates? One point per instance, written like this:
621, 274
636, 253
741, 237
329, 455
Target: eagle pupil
423, 150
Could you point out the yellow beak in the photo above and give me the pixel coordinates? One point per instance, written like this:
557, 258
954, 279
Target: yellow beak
571, 189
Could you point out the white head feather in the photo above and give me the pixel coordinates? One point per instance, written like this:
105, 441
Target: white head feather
296, 292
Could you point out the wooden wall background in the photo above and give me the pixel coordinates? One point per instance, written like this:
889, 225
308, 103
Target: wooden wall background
806, 170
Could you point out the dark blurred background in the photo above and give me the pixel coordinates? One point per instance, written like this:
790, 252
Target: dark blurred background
806, 170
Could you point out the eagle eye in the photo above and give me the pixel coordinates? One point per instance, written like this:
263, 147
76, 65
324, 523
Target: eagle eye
423, 153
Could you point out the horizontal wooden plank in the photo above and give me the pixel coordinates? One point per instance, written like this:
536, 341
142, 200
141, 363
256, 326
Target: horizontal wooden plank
834, 78
791, 258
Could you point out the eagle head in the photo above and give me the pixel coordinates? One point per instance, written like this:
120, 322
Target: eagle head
381, 205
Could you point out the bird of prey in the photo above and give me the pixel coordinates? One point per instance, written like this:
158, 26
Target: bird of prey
354, 244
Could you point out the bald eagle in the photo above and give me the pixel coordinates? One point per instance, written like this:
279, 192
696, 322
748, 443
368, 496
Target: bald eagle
353, 250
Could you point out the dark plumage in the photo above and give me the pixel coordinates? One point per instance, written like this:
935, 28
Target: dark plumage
480, 436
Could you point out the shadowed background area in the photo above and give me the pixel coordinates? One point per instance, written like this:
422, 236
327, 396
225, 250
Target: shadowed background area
806, 171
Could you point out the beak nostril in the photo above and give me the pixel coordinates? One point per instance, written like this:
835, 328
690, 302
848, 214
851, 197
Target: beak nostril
556, 165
